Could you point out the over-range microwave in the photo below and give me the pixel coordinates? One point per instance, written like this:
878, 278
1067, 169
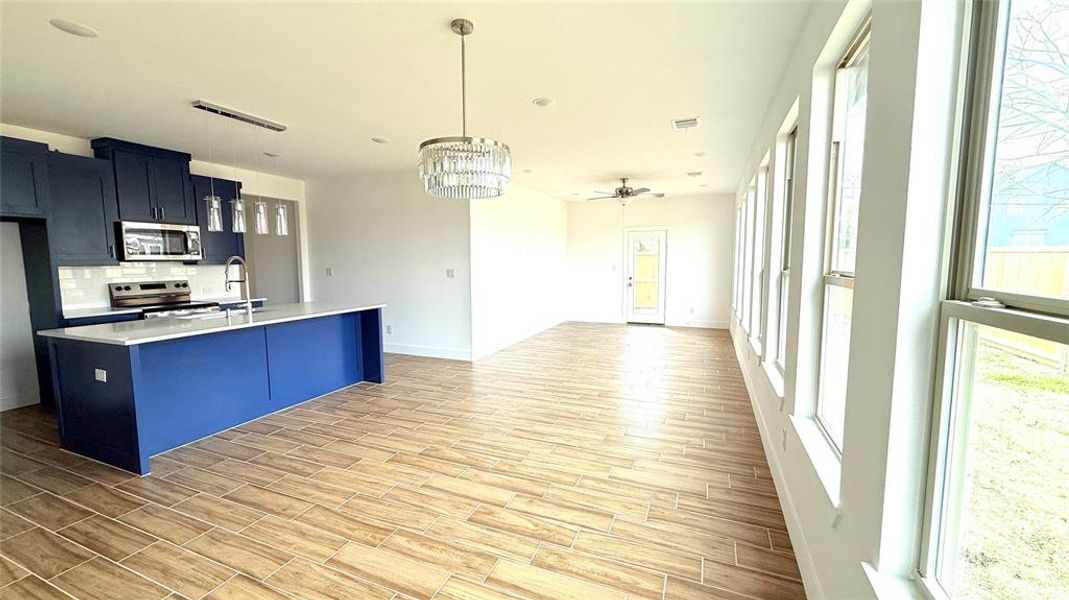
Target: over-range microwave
160, 241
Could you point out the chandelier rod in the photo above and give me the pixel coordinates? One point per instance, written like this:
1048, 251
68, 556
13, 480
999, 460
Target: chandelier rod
463, 88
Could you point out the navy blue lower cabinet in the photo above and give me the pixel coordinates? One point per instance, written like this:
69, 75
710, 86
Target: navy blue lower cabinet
123, 404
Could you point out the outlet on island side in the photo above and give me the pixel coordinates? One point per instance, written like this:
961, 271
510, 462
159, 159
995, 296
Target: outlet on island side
100, 375
330, 271
450, 273
389, 329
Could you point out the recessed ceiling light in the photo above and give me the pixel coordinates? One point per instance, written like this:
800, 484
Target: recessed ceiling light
543, 101
703, 185
74, 28
694, 173
380, 140
528, 171
699, 154
272, 154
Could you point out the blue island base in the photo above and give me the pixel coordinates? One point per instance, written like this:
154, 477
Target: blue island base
124, 404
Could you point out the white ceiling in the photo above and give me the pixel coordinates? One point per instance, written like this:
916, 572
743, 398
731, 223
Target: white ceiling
340, 73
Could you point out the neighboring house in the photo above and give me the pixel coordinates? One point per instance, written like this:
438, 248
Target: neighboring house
1024, 215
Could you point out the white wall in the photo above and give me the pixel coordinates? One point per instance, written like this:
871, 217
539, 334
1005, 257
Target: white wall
18, 370
698, 270
388, 241
518, 267
854, 522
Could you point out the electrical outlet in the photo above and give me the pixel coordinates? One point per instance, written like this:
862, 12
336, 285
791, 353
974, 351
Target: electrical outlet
389, 329
330, 271
100, 375
450, 273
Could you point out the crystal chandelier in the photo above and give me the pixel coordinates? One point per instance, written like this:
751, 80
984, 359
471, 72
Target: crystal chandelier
462, 167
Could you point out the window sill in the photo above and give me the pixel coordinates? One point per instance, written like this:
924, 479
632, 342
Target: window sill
889, 587
822, 456
775, 378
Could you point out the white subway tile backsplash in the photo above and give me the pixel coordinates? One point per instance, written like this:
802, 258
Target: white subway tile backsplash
87, 287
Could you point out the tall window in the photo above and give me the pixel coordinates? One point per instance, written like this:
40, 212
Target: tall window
844, 198
748, 262
736, 300
782, 279
996, 525
760, 197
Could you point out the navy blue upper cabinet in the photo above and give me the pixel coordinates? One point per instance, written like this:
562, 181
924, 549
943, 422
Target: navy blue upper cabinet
23, 178
152, 184
84, 210
218, 245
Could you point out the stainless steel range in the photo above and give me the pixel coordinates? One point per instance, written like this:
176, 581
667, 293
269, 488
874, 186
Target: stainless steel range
158, 299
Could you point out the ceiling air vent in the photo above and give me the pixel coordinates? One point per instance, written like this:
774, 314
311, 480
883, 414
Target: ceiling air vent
687, 123
239, 116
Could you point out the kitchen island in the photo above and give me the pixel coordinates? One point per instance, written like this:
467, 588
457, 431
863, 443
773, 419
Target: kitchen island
128, 391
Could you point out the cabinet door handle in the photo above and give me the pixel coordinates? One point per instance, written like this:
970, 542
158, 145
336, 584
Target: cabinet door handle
111, 250
154, 217
163, 213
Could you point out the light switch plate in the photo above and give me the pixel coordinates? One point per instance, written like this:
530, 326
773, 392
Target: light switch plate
100, 375
389, 329
330, 271
450, 273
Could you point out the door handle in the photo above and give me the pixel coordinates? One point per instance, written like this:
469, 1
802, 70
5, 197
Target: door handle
155, 213
163, 213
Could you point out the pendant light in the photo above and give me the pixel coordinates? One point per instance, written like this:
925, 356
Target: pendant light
282, 217
237, 205
463, 167
213, 204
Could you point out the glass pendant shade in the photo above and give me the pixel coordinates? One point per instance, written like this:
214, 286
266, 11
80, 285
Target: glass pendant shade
259, 209
465, 168
282, 220
237, 214
215, 212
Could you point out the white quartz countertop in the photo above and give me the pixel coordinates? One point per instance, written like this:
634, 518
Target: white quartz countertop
131, 333
107, 311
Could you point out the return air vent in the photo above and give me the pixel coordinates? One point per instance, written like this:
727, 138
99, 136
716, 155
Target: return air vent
687, 123
239, 116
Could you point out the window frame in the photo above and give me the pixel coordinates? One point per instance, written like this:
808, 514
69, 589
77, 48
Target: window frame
760, 286
831, 277
783, 276
987, 34
1037, 317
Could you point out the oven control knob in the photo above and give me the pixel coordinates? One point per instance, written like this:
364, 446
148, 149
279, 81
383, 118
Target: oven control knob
126, 287
118, 288
185, 285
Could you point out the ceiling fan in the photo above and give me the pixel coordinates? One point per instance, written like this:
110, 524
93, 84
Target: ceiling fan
625, 193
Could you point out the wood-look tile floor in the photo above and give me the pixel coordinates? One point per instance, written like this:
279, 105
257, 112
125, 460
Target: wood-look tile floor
587, 462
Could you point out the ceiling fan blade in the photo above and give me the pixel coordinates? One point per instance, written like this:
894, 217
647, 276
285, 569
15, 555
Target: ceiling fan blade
601, 198
604, 193
639, 191
651, 194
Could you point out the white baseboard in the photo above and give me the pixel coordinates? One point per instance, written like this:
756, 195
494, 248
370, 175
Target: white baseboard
429, 351
700, 323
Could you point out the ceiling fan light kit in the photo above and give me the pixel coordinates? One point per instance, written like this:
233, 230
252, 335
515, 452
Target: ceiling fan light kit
463, 167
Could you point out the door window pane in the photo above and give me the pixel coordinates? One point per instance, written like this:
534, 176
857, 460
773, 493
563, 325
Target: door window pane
1024, 247
835, 359
1005, 527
